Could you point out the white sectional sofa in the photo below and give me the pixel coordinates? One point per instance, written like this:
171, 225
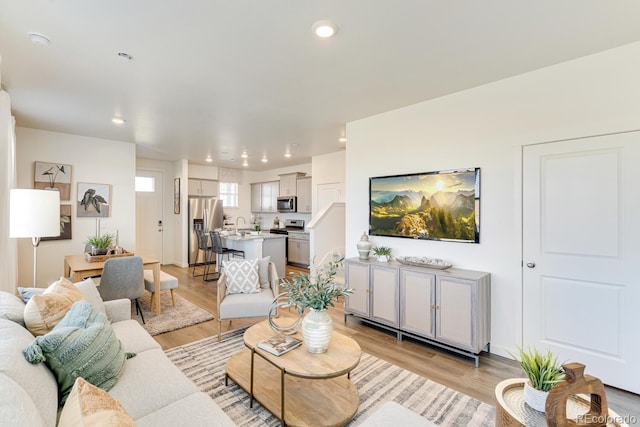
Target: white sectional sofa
151, 389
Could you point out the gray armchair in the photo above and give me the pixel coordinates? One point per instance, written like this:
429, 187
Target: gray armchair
242, 306
123, 277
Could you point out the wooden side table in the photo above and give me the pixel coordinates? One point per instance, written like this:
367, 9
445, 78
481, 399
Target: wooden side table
512, 411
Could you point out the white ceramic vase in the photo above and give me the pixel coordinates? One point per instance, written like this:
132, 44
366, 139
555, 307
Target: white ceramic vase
535, 398
317, 327
364, 246
383, 258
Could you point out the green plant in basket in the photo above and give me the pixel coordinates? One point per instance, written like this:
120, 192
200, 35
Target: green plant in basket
543, 370
318, 290
101, 242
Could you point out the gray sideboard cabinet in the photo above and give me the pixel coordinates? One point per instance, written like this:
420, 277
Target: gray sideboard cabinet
447, 308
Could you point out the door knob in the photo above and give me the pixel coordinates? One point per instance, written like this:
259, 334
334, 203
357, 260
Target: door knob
531, 264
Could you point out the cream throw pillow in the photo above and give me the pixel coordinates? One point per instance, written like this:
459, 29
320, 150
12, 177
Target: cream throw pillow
43, 312
90, 406
242, 276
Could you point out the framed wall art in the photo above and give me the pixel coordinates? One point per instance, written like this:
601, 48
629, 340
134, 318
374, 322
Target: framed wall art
65, 224
94, 200
53, 176
176, 196
440, 205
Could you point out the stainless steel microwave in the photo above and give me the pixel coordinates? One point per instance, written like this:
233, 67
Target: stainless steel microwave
287, 204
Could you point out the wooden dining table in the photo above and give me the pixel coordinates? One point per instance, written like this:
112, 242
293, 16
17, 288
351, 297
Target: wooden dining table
78, 268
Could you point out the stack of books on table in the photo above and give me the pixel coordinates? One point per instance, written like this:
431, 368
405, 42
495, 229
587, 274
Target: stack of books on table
279, 344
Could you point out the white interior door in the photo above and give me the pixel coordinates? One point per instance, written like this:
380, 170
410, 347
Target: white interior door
150, 215
327, 194
581, 245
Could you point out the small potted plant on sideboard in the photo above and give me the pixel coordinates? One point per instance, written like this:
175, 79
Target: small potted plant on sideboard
382, 253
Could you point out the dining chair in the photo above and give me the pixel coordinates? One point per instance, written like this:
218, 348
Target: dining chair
123, 277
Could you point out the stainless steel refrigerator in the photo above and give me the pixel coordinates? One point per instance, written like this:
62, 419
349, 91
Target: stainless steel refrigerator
205, 213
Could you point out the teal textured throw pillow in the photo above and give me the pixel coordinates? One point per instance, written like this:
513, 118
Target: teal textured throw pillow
82, 344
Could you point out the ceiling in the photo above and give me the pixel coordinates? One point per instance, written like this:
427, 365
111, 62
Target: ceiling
219, 77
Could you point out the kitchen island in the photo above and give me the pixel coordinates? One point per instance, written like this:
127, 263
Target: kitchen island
259, 246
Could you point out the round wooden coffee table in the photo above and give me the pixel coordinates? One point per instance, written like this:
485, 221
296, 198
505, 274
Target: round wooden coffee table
512, 411
298, 387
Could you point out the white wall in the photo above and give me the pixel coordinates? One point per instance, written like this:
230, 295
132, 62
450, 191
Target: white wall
181, 222
486, 127
328, 169
93, 160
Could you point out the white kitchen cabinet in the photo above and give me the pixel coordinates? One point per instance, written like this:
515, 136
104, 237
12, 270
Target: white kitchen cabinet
288, 183
202, 187
298, 249
448, 308
304, 194
264, 197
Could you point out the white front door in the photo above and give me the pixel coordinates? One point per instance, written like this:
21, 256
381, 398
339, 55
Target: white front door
149, 215
581, 252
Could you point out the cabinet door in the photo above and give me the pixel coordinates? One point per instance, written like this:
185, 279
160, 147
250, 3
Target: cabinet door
304, 194
357, 277
256, 197
454, 316
269, 196
294, 251
287, 185
209, 188
304, 252
193, 187
417, 302
384, 295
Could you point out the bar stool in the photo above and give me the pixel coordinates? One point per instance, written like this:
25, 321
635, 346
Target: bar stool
203, 246
218, 249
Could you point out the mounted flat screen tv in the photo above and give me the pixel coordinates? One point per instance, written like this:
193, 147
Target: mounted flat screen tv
442, 205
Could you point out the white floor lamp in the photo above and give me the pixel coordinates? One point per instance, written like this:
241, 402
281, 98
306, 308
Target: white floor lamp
35, 214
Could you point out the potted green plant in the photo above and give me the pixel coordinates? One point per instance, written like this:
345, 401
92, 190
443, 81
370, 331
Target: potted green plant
543, 372
316, 291
382, 253
100, 244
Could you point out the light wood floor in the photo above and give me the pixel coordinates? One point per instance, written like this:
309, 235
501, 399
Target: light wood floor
454, 371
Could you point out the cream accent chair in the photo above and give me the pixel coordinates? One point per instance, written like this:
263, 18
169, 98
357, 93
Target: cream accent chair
244, 306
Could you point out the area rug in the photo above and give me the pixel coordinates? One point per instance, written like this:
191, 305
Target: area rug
377, 382
171, 318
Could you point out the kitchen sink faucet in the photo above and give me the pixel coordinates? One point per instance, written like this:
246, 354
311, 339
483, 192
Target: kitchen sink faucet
243, 220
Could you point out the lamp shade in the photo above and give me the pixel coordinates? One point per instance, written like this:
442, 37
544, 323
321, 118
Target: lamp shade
34, 213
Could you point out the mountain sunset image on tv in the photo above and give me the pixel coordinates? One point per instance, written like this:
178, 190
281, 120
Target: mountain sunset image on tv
442, 205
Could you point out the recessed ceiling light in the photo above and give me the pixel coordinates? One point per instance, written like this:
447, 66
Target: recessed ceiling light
264, 159
343, 139
324, 29
287, 154
244, 155
39, 39
245, 163
209, 159
118, 120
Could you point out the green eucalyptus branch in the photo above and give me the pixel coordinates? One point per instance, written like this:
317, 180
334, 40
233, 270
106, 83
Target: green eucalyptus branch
318, 290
